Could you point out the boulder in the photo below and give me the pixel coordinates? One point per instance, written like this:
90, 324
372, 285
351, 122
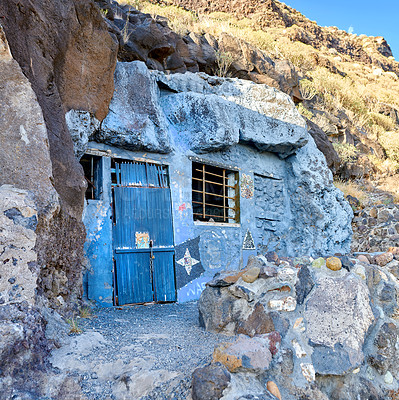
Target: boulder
135, 120
209, 382
338, 315
265, 117
205, 122
248, 354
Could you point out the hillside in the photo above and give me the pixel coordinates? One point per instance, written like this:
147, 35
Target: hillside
345, 85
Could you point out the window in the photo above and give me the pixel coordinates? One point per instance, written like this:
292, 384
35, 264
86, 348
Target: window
91, 167
215, 194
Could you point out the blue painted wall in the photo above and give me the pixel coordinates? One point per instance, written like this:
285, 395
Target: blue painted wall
220, 245
98, 247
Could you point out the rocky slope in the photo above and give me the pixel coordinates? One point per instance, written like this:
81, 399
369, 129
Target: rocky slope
346, 84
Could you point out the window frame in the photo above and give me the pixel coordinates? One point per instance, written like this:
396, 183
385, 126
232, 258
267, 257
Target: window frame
229, 196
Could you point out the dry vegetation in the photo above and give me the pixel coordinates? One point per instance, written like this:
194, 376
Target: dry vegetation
360, 93
354, 189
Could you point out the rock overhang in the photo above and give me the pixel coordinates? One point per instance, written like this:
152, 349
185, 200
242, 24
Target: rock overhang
206, 113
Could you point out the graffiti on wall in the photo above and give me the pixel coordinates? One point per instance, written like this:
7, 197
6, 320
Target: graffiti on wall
247, 186
188, 262
248, 243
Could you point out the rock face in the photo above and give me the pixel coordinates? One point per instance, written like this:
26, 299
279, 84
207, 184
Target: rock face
54, 56
337, 341
273, 13
135, 120
144, 38
68, 56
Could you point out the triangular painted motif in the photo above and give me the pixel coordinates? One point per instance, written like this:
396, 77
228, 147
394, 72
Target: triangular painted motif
248, 243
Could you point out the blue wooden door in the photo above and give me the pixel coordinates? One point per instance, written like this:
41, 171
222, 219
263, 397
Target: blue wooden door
143, 217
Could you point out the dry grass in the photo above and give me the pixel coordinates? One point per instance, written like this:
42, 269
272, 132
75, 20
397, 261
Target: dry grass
346, 152
351, 188
390, 184
75, 329
86, 312
361, 93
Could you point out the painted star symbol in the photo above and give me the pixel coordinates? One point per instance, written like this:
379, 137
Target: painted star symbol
188, 262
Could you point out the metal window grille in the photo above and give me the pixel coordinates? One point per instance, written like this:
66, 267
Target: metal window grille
90, 167
215, 194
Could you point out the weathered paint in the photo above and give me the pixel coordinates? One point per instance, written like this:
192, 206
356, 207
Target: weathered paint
221, 244
98, 246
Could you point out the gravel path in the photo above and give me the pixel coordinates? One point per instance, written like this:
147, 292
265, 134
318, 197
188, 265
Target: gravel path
139, 352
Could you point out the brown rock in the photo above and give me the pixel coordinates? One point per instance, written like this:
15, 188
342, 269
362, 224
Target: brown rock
273, 389
394, 250
58, 45
383, 259
373, 213
334, 263
235, 277
259, 322
251, 275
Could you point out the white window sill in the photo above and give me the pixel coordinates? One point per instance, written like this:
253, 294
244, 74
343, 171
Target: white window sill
223, 224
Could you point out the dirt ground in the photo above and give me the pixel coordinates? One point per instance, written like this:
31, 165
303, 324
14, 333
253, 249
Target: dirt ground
137, 352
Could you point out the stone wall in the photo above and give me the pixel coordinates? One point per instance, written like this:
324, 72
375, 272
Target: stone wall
322, 329
376, 228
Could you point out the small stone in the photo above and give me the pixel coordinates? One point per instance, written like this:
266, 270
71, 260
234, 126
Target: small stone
362, 258
251, 275
356, 371
346, 262
319, 262
272, 256
388, 378
299, 351
209, 382
334, 263
258, 322
383, 259
373, 213
273, 389
308, 372
360, 271
267, 271
285, 304
286, 275
304, 284
12, 280
394, 250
